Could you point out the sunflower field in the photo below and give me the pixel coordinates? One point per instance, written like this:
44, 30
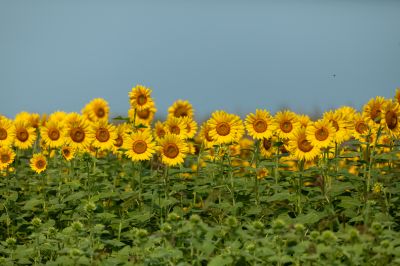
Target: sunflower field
283, 189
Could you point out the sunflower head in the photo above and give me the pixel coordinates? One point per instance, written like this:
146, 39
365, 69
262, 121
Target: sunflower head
104, 135
320, 133
68, 152
25, 134
286, 123
180, 108
96, 110
391, 116
7, 156
225, 128
191, 126
300, 148
340, 124
173, 149
53, 134
205, 137
7, 132
140, 98
77, 131
57, 116
360, 127
397, 95
144, 116
260, 125
373, 110
177, 126
38, 163
139, 146
304, 120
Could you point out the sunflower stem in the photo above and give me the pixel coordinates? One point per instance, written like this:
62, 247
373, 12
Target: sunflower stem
166, 182
300, 185
256, 155
276, 167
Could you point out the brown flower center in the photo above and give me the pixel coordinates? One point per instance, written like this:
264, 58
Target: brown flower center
260, 126
40, 164
376, 114
175, 129
391, 119
267, 144
119, 141
144, 114
321, 134
139, 146
5, 158
361, 127
171, 150
53, 134
100, 112
207, 136
304, 145
141, 99
102, 134
335, 124
161, 133
66, 152
3, 134
223, 129
286, 126
77, 135
22, 134
180, 111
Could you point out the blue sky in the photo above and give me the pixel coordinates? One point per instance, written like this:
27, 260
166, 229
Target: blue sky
231, 55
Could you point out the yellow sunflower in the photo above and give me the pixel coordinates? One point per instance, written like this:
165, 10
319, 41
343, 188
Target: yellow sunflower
304, 120
38, 163
266, 147
7, 132
397, 96
68, 152
360, 127
53, 134
173, 149
225, 128
177, 126
180, 108
33, 119
140, 98
159, 130
372, 111
205, 136
7, 156
286, 122
96, 110
260, 125
139, 146
320, 133
77, 132
104, 135
191, 126
347, 113
144, 116
58, 116
342, 132
119, 140
300, 148
25, 135
391, 116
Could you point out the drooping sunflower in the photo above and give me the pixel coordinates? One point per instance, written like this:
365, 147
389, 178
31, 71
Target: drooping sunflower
77, 132
68, 152
7, 156
53, 134
173, 149
286, 122
38, 163
140, 98
96, 110
180, 108
191, 126
372, 111
342, 132
119, 140
320, 133
360, 128
260, 125
225, 128
104, 135
25, 135
300, 148
205, 137
266, 147
7, 132
391, 117
139, 146
144, 116
177, 126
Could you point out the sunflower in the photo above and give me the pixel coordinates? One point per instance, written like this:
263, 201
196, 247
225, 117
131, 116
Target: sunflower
360, 128
58, 116
342, 132
144, 116
304, 120
347, 113
139, 146
96, 110
25, 134
397, 96
159, 130
173, 149
177, 126
205, 137
372, 111
140, 98
260, 125
300, 148
7, 132
33, 119
38, 163
286, 122
225, 128
7, 156
68, 152
391, 117
77, 132
191, 126
53, 134
267, 147
180, 108
320, 133
119, 140
104, 135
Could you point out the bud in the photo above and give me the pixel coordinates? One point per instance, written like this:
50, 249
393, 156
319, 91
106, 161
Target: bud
90, 206
36, 222
11, 241
77, 226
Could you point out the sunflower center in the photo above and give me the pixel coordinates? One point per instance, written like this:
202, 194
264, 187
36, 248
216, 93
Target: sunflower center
171, 150
391, 119
22, 134
175, 129
223, 129
3, 134
102, 134
77, 135
335, 124
180, 112
119, 141
361, 127
5, 158
100, 112
207, 136
376, 114
305, 145
267, 144
139, 146
144, 114
286, 126
40, 164
54, 134
161, 133
66, 152
260, 126
141, 99
321, 134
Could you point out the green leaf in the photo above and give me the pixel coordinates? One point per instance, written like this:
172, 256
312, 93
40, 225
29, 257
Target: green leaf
31, 204
279, 197
311, 217
75, 196
221, 261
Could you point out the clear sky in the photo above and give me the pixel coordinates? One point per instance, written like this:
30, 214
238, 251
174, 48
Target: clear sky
231, 55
